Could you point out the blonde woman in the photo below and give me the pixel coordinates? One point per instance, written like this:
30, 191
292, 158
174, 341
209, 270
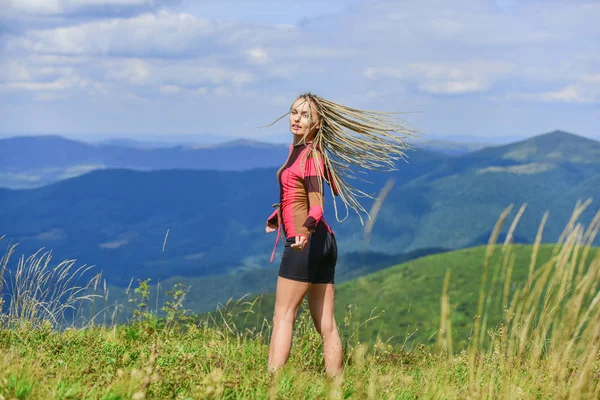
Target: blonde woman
329, 141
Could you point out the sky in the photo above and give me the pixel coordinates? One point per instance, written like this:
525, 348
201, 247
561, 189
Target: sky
136, 68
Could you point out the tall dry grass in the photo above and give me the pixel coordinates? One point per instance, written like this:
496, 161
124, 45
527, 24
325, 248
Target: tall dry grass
551, 323
36, 293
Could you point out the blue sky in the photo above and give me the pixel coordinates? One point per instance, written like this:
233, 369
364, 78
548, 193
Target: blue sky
136, 67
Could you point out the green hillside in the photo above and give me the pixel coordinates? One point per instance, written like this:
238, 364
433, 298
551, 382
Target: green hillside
406, 297
456, 204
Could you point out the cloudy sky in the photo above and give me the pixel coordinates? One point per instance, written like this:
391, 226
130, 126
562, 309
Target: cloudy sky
134, 67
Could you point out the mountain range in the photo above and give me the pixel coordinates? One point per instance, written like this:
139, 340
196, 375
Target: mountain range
34, 161
211, 223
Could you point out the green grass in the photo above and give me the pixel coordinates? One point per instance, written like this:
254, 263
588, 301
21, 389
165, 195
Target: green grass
103, 363
546, 343
204, 361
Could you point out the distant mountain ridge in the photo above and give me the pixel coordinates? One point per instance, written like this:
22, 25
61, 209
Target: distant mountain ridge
118, 219
35, 161
28, 162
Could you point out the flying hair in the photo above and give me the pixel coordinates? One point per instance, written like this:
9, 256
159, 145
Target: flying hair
350, 139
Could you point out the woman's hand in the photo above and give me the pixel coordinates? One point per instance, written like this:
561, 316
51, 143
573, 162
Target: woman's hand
300, 243
270, 228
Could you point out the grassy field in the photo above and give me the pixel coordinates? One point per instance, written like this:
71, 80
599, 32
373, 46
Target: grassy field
139, 362
402, 303
545, 344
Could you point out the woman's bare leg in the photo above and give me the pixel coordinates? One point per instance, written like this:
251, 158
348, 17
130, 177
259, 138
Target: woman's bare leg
321, 302
288, 297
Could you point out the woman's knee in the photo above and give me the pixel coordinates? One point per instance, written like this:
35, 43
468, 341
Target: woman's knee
285, 314
327, 327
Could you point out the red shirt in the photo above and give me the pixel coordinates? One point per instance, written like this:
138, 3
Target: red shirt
300, 193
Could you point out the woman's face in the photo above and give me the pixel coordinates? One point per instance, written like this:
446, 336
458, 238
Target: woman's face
301, 113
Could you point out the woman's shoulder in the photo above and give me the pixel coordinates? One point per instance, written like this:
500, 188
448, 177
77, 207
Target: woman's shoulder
314, 152
313, 163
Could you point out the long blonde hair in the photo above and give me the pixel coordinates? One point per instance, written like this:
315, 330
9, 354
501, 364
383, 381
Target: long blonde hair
350, 137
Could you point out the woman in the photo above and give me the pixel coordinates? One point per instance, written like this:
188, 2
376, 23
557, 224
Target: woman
329, 138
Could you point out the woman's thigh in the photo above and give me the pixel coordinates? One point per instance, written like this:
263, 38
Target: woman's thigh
288, 296
321, 298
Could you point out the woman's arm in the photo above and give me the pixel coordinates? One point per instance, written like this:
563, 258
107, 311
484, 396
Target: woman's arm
273, 219
313, 181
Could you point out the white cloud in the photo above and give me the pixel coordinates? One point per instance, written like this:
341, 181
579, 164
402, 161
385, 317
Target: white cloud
445, 78
44, 80
222, 91
258, 56
51, 235
51, 7
83, 3
135, 98
170, 89
133, 71
14, 70
32, 6
192, 72
378, 52
593, 79
384, 72
57, 85
163, 32
194, 256
114, 244
48, 96
575, 93
447, 26
317, 52
122, 240
569, 94
24, 71
453, 87
583, 89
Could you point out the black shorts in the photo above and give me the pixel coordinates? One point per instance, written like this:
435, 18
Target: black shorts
315, 263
